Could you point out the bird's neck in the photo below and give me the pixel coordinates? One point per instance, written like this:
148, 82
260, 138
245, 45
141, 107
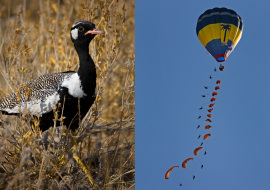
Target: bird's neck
87, 69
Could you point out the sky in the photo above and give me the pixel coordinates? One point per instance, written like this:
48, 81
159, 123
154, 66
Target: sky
172, 68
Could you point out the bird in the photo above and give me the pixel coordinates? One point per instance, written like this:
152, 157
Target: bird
71, 92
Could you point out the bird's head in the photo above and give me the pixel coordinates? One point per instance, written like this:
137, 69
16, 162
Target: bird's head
83, 32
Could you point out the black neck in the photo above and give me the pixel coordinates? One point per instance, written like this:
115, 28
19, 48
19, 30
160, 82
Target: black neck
87, 69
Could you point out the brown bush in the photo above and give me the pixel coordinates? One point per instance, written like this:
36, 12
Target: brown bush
35, 40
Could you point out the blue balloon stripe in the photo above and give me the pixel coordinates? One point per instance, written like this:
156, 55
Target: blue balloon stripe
219, 15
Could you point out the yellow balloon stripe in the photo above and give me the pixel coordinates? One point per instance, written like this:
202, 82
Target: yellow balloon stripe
237, 37
215, 31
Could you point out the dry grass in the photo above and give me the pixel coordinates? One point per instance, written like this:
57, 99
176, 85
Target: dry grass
35, 40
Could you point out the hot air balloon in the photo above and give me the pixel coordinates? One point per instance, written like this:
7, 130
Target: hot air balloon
219, 30
169, 171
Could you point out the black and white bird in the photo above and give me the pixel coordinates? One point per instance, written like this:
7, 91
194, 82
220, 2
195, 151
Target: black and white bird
75, 91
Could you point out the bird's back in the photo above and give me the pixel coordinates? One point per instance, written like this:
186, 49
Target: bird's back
38, 96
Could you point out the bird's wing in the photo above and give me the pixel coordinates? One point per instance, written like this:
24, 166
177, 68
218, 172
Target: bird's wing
38, 96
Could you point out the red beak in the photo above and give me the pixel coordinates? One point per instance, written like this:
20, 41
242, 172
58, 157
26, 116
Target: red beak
95, 31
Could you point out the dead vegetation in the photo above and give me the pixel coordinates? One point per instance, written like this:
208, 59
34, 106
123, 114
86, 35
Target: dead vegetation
35, 40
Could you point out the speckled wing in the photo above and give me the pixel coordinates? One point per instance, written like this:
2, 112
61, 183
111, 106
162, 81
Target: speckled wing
38, 96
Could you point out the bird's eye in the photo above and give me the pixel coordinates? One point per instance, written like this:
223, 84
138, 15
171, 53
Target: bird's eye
80, 28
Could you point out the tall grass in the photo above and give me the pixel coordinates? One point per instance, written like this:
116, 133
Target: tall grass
34, 41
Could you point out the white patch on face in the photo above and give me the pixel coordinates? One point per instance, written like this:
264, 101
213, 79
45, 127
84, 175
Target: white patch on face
73, 84
74, 33
36, 107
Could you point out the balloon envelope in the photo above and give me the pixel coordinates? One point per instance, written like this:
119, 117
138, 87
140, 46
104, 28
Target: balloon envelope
219, 30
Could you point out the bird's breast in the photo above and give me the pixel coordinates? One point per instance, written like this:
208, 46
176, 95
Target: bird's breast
73, 85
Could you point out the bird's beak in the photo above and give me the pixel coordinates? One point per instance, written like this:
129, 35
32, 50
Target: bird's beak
95, 31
